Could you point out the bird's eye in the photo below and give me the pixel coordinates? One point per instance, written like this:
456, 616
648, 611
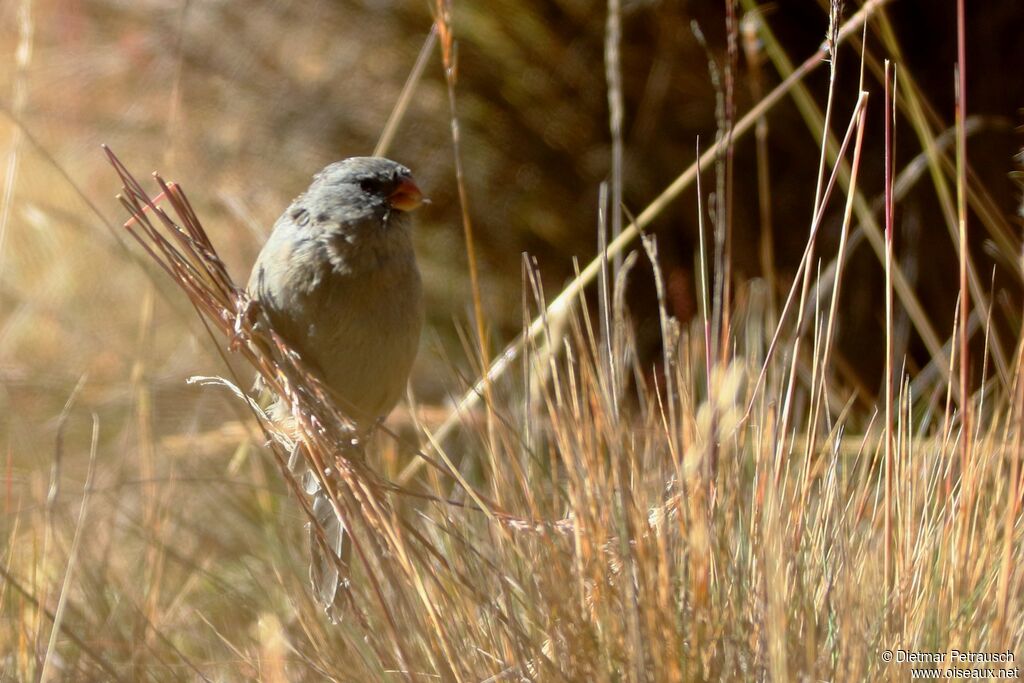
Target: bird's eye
369, 185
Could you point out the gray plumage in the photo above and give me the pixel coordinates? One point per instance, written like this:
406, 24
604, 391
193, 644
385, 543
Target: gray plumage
339, 282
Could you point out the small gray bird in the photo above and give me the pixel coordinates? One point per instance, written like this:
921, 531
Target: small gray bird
338, 280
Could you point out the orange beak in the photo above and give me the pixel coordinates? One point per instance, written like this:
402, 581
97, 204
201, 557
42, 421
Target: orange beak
406, 197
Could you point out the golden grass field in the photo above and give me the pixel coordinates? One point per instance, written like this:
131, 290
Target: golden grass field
555, 502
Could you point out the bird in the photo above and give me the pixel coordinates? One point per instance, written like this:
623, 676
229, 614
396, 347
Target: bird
339, 282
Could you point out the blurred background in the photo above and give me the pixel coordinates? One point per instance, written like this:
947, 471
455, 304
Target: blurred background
241, 102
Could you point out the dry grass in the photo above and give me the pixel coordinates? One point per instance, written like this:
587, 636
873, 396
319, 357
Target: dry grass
731, 514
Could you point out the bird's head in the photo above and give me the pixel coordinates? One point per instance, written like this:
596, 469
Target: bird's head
371, 185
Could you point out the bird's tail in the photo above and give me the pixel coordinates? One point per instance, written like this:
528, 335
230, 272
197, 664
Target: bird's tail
329, 549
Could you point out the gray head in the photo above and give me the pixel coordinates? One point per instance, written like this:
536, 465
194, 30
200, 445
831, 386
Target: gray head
354, 216
360, 188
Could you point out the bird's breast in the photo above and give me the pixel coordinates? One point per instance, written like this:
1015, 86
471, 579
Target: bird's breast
363, 334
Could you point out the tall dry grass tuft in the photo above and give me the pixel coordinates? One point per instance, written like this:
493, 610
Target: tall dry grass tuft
616, 552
